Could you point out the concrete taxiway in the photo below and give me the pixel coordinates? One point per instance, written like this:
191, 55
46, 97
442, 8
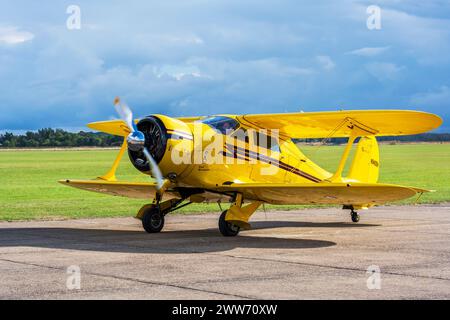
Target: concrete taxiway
304, 254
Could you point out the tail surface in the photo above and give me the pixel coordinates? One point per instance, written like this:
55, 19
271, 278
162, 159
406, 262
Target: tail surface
365, 166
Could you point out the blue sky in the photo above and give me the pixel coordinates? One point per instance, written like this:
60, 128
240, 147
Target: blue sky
204, 57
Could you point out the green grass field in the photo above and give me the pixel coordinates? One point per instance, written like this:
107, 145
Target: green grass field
29, 188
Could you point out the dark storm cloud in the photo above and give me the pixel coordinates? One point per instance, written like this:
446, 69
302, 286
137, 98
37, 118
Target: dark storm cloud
202, 57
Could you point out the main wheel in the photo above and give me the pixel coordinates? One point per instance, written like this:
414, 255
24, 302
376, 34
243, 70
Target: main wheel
355, 216
227, 229
153, 220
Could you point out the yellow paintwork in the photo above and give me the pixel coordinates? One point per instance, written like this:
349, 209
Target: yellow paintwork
239, 215
293, 178
111, 174
139, 190
320, 124
362, 194
339, 123
337, 176
120, 128
365, 166
175, 146
114, 127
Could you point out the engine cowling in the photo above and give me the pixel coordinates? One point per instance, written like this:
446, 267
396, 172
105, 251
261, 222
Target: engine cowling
165, 139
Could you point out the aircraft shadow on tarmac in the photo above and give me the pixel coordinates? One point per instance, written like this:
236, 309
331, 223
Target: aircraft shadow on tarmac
170, 242
304, 224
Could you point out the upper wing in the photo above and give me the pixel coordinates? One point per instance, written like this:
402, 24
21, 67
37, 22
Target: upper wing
114, 127
323, 193
189, 119
319, 124
119, 128
140, 190
338, 123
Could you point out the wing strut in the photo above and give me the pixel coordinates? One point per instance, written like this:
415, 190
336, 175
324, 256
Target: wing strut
357, 129
111, 174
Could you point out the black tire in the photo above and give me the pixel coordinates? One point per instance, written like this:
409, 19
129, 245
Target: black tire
153, 220
226, 228
355, 216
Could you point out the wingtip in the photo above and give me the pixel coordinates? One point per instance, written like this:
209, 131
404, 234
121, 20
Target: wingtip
420, 190
115, 127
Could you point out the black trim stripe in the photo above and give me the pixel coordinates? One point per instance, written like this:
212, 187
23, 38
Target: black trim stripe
236, 151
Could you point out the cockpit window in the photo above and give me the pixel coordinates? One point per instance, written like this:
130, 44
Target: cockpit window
223, 125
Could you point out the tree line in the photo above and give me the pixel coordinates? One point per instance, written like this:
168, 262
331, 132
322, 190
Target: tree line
60, 138
423, 137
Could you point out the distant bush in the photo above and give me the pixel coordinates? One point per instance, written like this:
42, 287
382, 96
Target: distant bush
424, 137
58, 138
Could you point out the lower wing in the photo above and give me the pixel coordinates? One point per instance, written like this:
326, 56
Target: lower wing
139, 190
317, 193
145, 190
323, 193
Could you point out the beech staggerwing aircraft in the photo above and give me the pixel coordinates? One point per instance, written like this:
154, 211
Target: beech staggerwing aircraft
249, 160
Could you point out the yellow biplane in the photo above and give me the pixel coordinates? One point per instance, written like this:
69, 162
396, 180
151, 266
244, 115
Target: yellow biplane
249, 160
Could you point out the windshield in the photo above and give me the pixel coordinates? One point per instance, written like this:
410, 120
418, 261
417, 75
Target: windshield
223, 125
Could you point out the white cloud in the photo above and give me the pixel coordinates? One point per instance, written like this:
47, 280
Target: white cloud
384, 70
325, 62
179, 72
368, 51
12, 36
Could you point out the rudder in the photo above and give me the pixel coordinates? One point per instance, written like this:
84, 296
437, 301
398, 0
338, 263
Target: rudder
366, 162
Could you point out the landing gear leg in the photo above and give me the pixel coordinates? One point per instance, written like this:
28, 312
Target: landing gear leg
235, 219
227, 229
153, 219
152, 215
354, 215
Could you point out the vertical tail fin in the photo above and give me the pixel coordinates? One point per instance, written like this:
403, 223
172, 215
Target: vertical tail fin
366, 162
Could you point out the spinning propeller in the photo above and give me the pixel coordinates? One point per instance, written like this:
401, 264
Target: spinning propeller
136, 140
